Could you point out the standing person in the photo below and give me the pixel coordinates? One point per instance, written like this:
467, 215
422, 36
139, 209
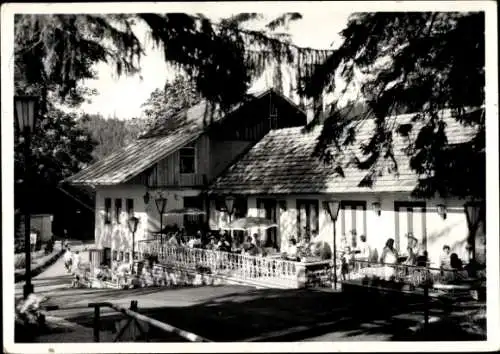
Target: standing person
364, 251
347, 260
68, 259
76, 269
389, 256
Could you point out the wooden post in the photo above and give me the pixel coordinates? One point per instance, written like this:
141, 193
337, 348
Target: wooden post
97, 322
426, 301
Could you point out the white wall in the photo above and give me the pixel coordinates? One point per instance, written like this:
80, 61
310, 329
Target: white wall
451, 231
118, 236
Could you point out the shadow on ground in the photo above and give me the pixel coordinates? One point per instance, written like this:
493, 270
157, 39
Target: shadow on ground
290, 315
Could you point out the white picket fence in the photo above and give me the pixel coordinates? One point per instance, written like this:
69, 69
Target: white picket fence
268, 271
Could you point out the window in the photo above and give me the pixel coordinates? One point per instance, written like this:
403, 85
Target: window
107, 210
118, 210
353, 221
410, 219
130, 207
267, 209
187, 159
193, 222
307, 218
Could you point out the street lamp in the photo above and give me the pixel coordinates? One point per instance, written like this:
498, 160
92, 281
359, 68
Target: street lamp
230, 208
132, 226
472, 211
333, 207
26, 119
161, 202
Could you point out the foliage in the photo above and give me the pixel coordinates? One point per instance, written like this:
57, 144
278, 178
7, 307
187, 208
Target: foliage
177, 95
55, 52
418, 62
109, 134
59, 148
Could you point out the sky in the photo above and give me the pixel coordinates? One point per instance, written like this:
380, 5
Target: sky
122, 97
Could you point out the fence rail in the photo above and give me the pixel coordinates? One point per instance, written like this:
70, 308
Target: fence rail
219, 262
135, 319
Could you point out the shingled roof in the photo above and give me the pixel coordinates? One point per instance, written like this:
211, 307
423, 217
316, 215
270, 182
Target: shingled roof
283, 162
156, 144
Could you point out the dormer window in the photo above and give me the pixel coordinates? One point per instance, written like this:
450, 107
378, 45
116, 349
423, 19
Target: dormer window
187, 159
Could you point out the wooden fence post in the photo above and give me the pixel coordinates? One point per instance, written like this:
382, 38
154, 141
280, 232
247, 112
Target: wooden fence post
97, 322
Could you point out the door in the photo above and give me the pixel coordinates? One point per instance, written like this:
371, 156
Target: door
353, 221
267, 209
193, 223
410, 219
307, 218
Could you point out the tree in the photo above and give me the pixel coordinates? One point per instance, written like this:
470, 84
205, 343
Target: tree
415, 62
54, 53
109, 134
59, 148
177, 95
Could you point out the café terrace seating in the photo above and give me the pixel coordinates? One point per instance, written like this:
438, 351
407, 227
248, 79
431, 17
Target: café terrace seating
270, 271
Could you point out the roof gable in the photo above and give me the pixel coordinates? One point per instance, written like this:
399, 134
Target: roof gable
179, 130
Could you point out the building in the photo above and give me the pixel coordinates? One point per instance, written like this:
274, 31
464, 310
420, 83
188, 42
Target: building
176, 160
279, 178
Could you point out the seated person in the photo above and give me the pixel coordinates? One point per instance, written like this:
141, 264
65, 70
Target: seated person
224, 245
305, 242
412, 257
212, 243
291, 252
249, 247
174, 240
444, 258
458, 270
195, 242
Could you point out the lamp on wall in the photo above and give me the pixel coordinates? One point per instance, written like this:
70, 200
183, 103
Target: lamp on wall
146, 198
376, 208
230, 204
441, 210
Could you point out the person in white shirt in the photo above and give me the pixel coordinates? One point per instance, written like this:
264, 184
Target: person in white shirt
291, 252
68, 259
364, 251
76, 269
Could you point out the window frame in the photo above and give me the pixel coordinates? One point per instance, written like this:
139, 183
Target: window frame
410, 205
307, 202
129, 205
118, 209
190, 147
355, 204
107, 211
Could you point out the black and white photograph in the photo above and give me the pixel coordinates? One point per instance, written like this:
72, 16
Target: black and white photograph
250, 176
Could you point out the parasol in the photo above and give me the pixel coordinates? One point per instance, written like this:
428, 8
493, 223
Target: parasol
185, 211
250, 222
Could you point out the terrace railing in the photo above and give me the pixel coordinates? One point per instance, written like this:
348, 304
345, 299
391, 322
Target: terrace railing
240, 266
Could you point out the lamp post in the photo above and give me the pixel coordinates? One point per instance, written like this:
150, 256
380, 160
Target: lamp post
230, 208
132, 226
333, 207
161, 202
26, 119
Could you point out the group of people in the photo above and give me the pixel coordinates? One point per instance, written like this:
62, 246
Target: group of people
72, 263
219, 241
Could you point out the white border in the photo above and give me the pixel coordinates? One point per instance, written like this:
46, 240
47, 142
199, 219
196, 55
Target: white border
222, 9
